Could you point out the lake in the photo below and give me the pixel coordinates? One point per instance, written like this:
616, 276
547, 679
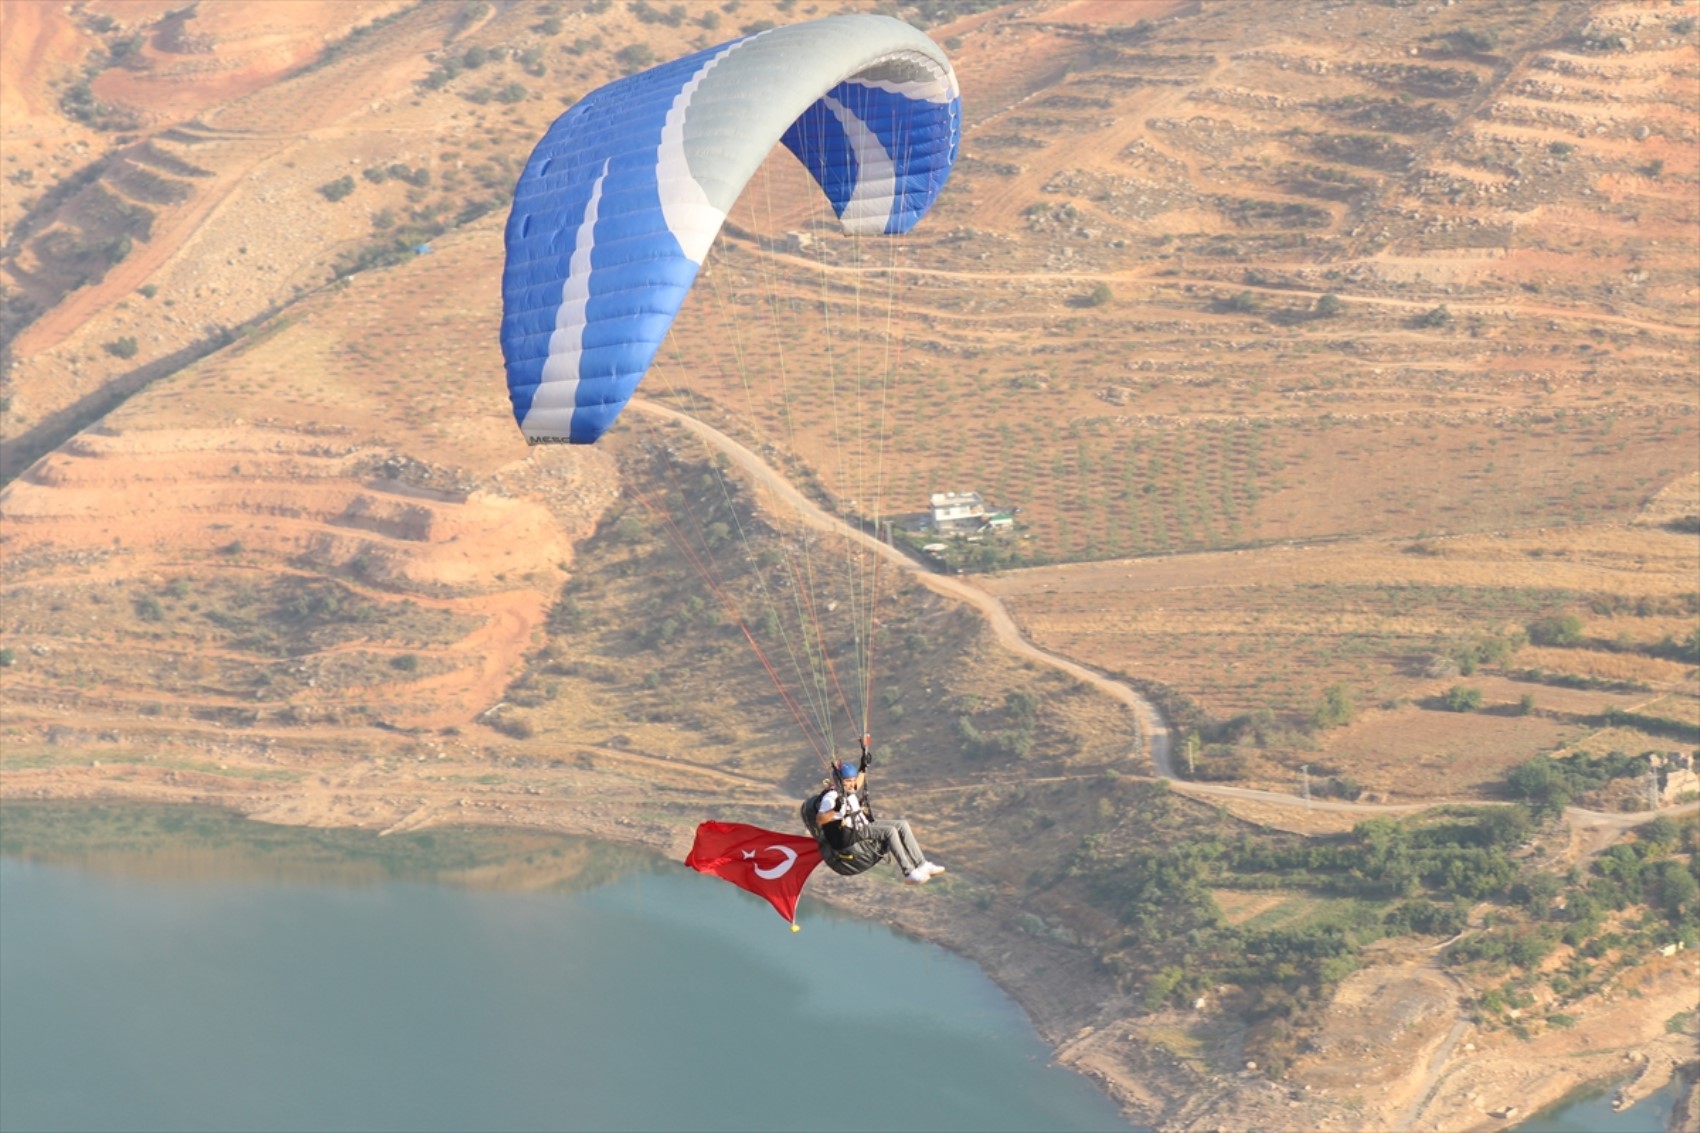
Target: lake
1594, 1114
192, 973
172, 968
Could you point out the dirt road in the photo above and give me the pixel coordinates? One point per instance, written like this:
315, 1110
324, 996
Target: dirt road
1154, 738
1154, 731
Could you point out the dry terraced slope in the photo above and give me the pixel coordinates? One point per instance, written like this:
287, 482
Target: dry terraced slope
269, 539
1115, 320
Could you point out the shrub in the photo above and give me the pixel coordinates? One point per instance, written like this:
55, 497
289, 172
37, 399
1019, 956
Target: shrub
122, 347
406, 662
149, 609
1329, 305
1100, 295
517, 727
1556, 629
1471, 41
338, 189
1336, 707
8, 657
1462, 698
1437, 317
634, 58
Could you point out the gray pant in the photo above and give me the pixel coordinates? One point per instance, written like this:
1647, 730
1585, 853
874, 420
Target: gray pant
894, 837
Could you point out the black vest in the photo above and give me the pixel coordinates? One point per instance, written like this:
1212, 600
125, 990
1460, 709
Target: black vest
859, 856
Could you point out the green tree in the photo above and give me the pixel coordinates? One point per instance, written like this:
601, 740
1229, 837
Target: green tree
1336, 708
1676, 891
1541, 783
1462, 698
1662, 832
1329, 306
1023, 704
338, 189
1556, 629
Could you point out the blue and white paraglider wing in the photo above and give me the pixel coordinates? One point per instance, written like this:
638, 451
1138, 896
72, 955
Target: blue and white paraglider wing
622, 198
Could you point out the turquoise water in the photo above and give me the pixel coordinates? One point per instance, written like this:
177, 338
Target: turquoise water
655, 1001
191, 971
1594, 1115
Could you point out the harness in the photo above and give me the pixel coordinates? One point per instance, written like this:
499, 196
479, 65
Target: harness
861, 855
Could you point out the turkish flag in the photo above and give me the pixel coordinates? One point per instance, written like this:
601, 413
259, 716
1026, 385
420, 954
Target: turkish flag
770, 865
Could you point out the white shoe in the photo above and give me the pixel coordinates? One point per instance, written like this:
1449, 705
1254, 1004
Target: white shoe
917, 876
932, 869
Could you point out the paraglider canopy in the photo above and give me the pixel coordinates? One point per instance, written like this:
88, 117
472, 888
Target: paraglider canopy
620, 201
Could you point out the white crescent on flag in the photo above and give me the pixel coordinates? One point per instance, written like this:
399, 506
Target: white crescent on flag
781, 869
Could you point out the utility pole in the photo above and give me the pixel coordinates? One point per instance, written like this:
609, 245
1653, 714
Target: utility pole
1305, 771
1191, 750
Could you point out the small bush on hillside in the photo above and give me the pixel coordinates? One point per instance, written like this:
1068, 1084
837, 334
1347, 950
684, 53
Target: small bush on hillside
1336, 707
122, 347
1462, 698
1559, 629
338, 189
634, 58
1470, 41
515, 726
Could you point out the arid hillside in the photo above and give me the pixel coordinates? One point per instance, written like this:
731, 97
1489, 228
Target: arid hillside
1385, 276
1339, 372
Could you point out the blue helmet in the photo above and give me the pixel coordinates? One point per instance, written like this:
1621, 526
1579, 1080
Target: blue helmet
848, 769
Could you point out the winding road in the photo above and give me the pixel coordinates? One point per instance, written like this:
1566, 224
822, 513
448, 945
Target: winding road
1153, 729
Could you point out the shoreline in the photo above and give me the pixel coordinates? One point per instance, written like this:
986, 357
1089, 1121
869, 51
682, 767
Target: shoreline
1091, 1027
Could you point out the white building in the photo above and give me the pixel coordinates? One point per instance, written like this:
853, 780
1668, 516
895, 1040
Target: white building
958, 509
